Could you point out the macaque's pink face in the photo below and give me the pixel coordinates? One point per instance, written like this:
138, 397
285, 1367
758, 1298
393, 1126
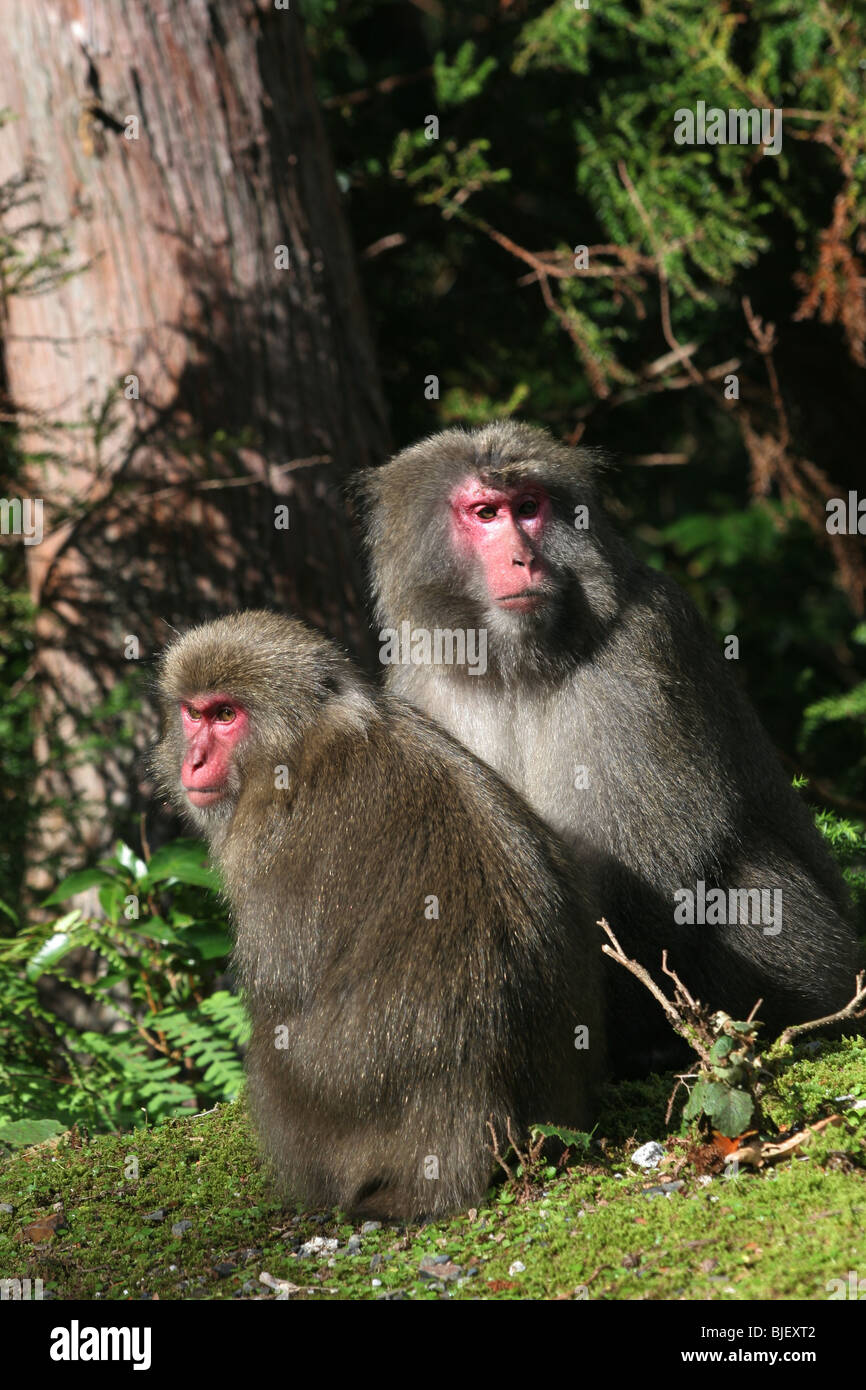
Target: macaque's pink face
502, 530
213, 725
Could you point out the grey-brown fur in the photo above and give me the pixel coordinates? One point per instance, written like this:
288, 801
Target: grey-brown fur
404, 1034
620, 676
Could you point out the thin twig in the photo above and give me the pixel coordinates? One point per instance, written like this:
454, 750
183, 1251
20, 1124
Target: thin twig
679, 349
619, 955
851, 1010
496, 1154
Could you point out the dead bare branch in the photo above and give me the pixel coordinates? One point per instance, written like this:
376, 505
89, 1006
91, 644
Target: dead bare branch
851, 1010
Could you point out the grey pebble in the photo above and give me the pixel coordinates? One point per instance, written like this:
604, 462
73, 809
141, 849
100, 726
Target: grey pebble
664, 1189
648, 1155
439, 1267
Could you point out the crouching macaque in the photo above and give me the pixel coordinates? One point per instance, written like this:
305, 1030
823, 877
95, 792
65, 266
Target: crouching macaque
416, 954
602, 699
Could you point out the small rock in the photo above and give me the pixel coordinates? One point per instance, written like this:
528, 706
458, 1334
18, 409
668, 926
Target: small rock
648, 1155
852, 1103
280, 1286
369, 1227
353, 1245
664, 1189
377, 1283
155, 1216
319, 1245
7, 1208
517, 1267
180, 1228
439, 1267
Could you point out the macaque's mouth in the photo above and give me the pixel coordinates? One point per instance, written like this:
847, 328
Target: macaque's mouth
203, 796
523, 601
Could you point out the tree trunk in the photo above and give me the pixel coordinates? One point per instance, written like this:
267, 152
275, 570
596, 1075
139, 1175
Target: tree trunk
166, 151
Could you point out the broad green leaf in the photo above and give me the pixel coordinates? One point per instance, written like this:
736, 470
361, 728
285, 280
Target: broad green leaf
715, 1095
733, 1113
19, 1133
694, 1106
111, 897
568, 1136
76, 883
186, 862
155, 929
130, 860
210, 942
59, 943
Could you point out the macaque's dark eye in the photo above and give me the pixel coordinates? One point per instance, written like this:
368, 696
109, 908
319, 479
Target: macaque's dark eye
486, 513
528, 507
225, 714
192, 712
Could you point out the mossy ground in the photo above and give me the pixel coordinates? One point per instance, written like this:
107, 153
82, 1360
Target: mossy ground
592, 1231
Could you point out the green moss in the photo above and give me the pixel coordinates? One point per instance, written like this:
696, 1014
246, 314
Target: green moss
592, 1231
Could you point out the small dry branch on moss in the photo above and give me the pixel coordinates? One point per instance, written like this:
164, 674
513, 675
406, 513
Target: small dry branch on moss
855, 1008
729, 1081
686, 1015
527, 1160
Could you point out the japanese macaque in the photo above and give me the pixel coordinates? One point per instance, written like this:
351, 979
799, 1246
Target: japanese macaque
417, 955
604, 701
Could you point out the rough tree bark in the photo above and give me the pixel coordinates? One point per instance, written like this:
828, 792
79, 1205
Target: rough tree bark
169, 148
